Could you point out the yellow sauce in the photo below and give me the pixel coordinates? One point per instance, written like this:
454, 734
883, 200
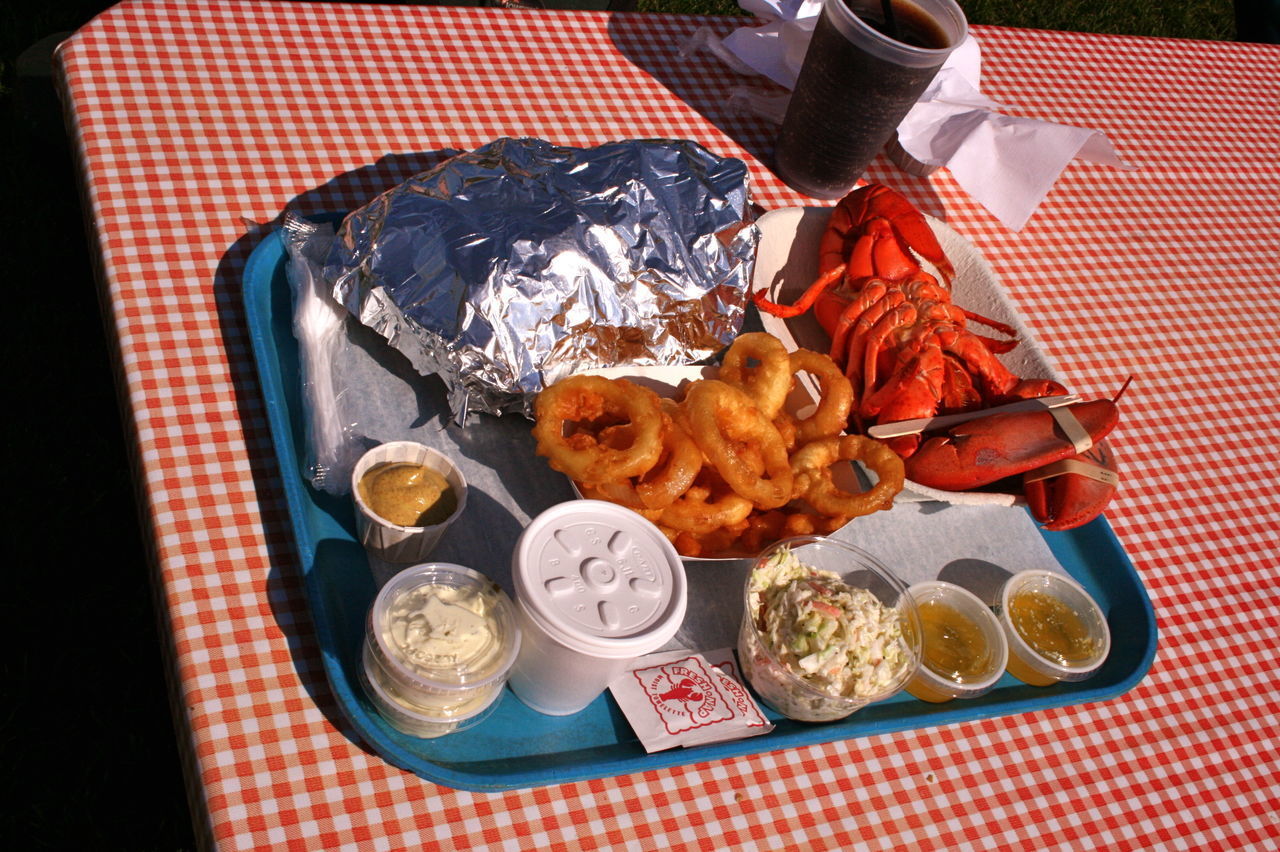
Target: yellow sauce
1052, 629
408, 495
1025, 673
954, 646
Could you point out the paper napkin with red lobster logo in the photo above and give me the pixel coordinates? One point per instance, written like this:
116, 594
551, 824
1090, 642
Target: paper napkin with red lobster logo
680, 698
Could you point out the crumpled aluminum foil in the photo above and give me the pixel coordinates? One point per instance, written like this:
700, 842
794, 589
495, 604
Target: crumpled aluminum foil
509, 267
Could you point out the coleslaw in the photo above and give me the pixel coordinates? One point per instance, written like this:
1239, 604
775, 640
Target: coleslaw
836, 638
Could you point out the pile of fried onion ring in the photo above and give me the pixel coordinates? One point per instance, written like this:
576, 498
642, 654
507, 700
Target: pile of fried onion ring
724, 470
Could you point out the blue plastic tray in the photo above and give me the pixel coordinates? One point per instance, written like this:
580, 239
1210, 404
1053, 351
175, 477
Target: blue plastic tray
516, 747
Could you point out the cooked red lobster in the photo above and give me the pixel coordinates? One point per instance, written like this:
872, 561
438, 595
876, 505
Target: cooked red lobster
902, 341
908, 348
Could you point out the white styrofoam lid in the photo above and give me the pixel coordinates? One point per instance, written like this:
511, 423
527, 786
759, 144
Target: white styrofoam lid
600, 578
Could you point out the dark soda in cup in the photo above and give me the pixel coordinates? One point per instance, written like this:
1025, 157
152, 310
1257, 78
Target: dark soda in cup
856, 85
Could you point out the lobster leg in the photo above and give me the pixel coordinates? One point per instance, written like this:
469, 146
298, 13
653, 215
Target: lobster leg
822, 284
1008, 330
867, 347
993, 376
853, 349
1033, 389
849, 316
917, 387
996, 346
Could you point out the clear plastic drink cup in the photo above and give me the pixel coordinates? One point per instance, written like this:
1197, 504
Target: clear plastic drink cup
856, 85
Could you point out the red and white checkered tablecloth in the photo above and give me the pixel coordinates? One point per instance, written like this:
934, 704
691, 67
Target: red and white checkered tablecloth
197, 123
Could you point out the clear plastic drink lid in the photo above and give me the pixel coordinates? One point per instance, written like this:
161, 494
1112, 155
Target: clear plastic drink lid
600, 579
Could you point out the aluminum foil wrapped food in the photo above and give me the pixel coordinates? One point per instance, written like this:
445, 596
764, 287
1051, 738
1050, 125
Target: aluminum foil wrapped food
507, 267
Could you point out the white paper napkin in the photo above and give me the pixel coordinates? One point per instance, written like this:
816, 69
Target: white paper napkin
1006, 163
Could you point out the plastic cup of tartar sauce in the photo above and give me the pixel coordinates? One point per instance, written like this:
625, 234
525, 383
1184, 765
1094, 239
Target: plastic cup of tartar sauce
439, 646
597, 586
396, 538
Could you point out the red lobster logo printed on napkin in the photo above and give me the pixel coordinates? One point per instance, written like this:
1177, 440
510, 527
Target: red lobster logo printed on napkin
684, 694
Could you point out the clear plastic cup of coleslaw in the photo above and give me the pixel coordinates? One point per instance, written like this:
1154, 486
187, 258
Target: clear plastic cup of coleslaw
795, 661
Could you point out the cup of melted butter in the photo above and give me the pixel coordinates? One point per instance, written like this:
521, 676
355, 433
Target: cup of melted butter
963, 648
1055, 630
406, 496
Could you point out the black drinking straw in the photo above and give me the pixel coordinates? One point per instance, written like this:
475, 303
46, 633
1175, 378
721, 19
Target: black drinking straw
890, 22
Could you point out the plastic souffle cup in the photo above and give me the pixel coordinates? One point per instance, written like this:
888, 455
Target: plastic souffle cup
1055, 629
963, 647
780, 682
404, 543
421, 722
597, 586
439, 646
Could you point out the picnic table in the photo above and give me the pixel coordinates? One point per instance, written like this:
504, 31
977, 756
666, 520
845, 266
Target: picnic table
197, 125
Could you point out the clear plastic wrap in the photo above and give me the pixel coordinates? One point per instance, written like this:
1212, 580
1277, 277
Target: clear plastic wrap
320, 326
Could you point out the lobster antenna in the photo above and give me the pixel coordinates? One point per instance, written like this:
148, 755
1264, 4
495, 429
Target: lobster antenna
1123, 388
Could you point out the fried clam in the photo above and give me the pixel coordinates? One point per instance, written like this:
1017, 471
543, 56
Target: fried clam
716, 544
764, 528
571, 414
813, 482
722, 419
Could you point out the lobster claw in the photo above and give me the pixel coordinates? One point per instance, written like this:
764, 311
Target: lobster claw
1072, 492
985, 449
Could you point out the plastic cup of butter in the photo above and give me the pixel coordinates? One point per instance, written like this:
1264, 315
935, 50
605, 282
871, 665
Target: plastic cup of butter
963, 647
597, 586
1056, 631
403, 538
439, 644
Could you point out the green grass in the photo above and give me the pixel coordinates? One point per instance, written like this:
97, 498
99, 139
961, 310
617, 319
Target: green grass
1200, 19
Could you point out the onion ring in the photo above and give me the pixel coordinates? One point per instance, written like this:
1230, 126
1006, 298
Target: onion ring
720, 415
657, 488
705, 508
835, 398
676, 468
812, 467
768, 383
583, 399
